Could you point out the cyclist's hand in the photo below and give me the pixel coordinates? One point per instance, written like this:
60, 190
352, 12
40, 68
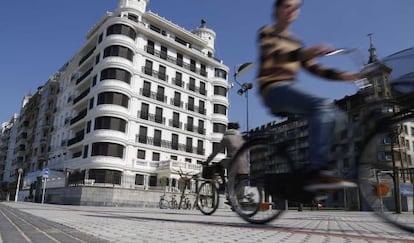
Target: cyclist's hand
316, 51
349, 76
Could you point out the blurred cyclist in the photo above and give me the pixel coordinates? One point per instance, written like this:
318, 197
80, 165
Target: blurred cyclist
281, 57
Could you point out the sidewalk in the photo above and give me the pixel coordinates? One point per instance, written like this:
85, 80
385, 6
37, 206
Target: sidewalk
156, 225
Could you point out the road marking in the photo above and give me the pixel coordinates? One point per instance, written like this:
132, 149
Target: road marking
17, 227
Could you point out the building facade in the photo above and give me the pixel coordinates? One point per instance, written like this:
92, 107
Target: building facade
141, 102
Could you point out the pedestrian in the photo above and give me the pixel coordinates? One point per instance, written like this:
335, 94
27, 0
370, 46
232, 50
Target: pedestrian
282, 55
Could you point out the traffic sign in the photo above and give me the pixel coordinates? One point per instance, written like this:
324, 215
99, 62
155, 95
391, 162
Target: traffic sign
45, 172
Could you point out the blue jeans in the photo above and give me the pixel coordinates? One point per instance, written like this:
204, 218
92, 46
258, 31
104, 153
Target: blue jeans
324, 118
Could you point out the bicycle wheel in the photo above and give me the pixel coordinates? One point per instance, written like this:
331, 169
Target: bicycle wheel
208, 198
385, 186
250, 197
172, 204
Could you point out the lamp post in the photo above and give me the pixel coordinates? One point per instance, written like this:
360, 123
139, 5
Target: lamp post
396, 176
20, 172
244, 87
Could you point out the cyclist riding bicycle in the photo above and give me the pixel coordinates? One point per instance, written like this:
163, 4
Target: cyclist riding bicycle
281, 57
232, 141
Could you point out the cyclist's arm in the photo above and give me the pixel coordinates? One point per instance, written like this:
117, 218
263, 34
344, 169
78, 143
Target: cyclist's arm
322, 71
218, 148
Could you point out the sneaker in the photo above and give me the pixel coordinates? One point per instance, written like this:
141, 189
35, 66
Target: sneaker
324, 181
228, 203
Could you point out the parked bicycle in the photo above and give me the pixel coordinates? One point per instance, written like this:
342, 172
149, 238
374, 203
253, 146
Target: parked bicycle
276, 175
163, 203
186, 204
173, 203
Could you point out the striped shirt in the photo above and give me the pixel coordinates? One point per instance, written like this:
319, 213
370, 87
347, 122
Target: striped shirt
281, 57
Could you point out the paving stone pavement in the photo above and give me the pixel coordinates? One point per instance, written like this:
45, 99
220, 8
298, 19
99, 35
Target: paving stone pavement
118, 224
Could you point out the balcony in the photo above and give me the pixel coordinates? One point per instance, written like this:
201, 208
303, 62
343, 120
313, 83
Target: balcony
81, 96
79, 117
153, 95
159, 75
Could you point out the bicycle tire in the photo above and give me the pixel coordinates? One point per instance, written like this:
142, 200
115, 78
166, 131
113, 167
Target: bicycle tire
376, 182
172, 204
265, 208
208, 198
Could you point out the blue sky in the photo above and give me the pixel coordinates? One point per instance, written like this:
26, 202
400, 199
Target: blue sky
38, 37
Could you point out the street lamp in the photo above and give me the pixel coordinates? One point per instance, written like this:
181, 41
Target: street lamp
244, 87
20, 172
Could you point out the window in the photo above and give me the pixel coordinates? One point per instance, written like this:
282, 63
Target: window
121, 29
192, 65
220, 73
158, 115
191, 84
108, 149
157, 138
201, 129
219, 128
113, 98
203, 90
162, 72
177, 99
219, 90
155, 28
91, 103
139, 179
176, 120
133, 17
179, 60
160, 93
203, 71
88, 127
178, 79
190, 121
384, 156
190, 105
116, 73
189, 145
220, 109
146, 91
181, 41
119, 51
188, 160
105, 176
150, 47
174, 141
148, 67
110, 123
200, 148
141, 154
155, 156
144, 111
142, 137
85, 151
164, 52
153, 180
174, 157
201, 108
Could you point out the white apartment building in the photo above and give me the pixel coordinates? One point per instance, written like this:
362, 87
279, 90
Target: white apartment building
142, 99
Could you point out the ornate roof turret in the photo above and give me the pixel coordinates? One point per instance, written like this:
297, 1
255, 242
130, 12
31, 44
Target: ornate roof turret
372, 50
